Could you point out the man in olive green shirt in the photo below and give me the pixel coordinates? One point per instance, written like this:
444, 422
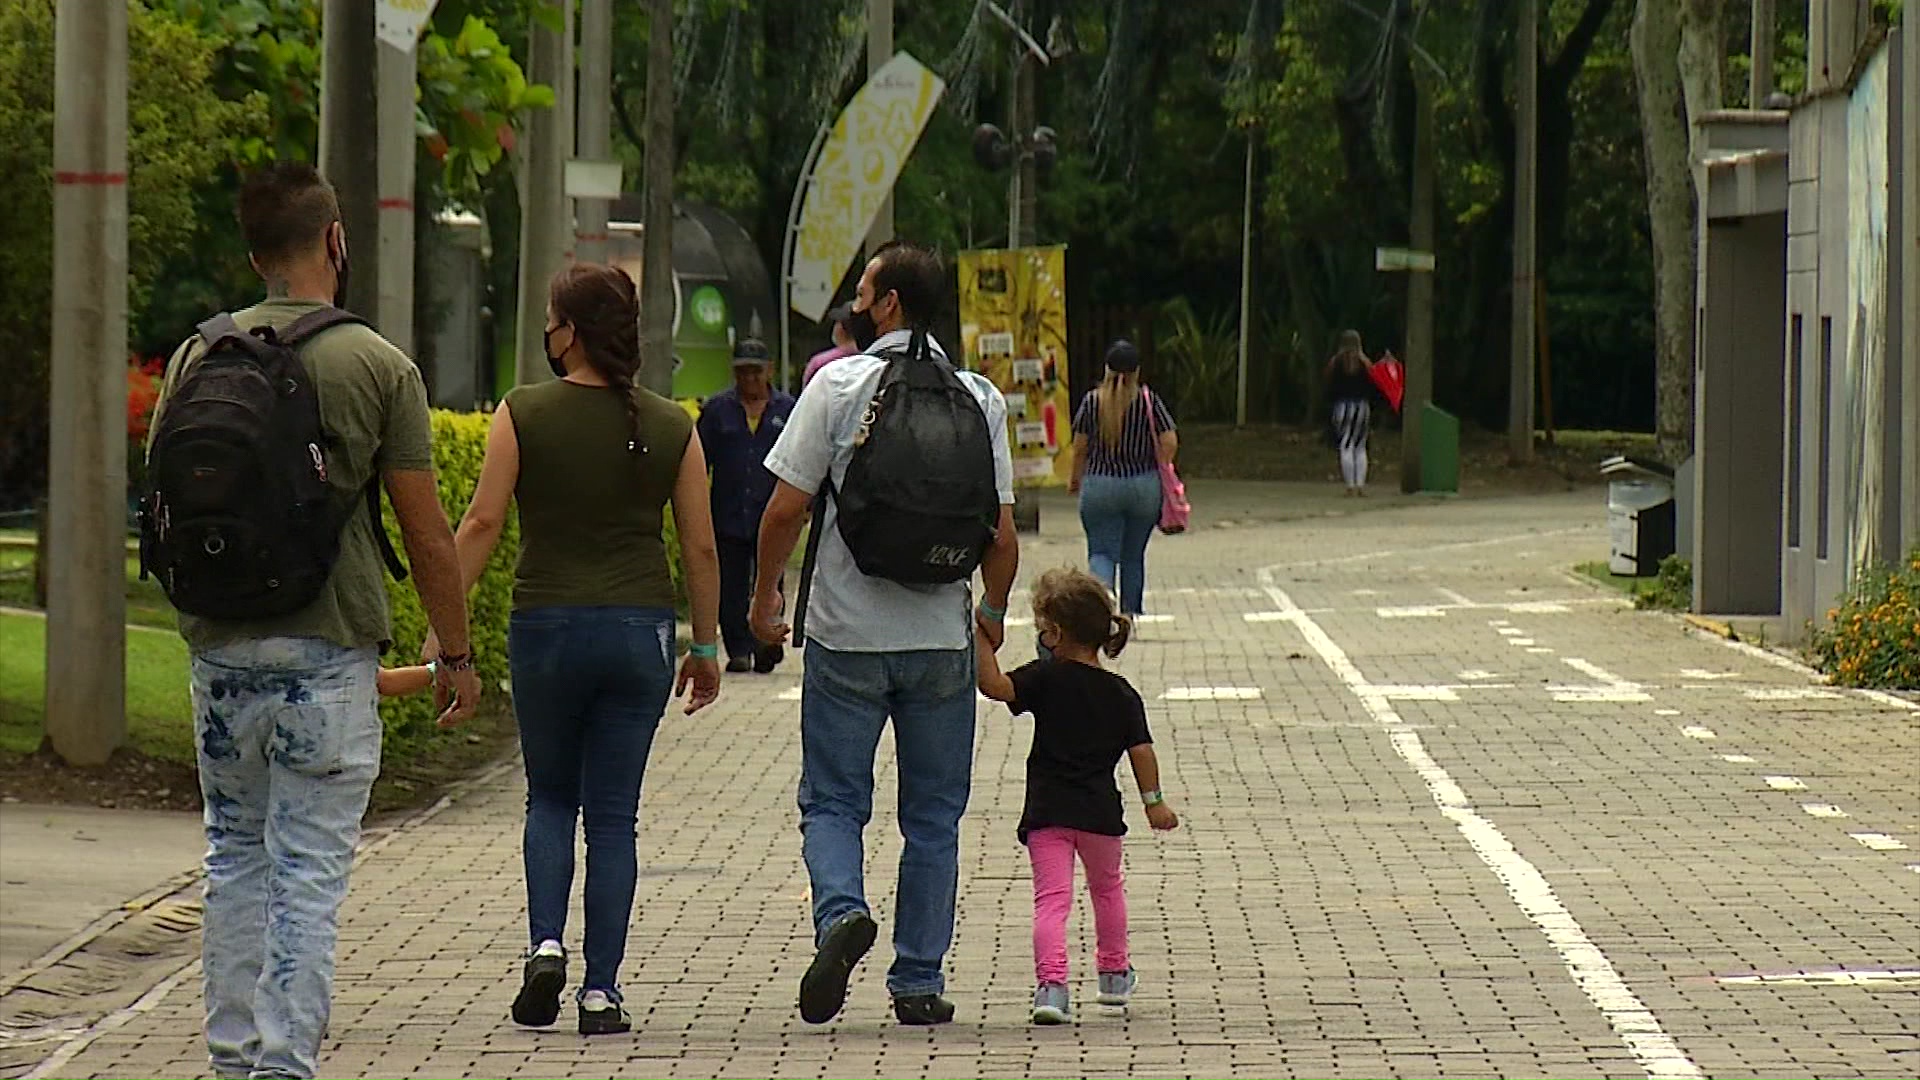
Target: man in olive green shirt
285, 711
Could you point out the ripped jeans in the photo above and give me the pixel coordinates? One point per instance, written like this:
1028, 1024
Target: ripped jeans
288, 732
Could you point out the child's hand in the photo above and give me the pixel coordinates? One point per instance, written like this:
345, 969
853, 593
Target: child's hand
1162, 817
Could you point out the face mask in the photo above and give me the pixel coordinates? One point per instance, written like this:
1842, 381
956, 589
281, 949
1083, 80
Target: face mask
861, 326
340, 275
553, 362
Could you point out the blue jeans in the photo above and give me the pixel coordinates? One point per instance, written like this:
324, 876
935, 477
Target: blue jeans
589, 685
846, 699
288, 733
1119, 514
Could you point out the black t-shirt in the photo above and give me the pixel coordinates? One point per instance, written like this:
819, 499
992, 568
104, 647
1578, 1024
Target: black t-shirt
1084, 719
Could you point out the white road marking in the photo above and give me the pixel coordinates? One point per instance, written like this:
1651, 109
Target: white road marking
1149, 620
1612, 687
1793, 693
1520, 642
791, 693
1539, 607
1211, 693
1666, 712
1508, 631
1698, 733
1422, 693
1878, 841
1915, 867
1453, 597
1703, 673
1410, 612
1890, 700
1827, 978
1635, 1025
1786, 783
1475, 674
1826, 810
1737, 759
1790, 664
1462, 545
1539, 650
1366, 592
1264, 616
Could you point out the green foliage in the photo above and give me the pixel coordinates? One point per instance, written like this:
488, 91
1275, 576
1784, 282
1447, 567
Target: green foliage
1671, 590
472, 96
176, 129
1200, 358
459, 449
1872, 638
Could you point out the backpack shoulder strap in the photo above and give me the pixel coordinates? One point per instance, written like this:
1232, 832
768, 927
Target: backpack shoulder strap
387, 555
218, 329
815, 530
314, 323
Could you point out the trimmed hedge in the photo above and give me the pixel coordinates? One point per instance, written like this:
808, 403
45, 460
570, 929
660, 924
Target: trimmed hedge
459, 450
1873, 638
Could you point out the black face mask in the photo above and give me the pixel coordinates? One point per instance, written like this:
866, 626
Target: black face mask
340, 277
861, 326
553, 362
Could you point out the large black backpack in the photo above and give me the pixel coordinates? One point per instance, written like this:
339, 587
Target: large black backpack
238, 520
919, 503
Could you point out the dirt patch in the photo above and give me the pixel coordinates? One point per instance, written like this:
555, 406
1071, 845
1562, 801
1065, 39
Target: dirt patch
134, 781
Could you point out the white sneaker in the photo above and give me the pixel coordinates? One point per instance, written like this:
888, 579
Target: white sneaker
601, 1015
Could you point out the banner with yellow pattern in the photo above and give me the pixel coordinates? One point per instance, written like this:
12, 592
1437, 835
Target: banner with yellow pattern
1013, 330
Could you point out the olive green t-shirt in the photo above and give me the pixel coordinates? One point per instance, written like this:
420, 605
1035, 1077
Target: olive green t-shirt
591, 510
374, 406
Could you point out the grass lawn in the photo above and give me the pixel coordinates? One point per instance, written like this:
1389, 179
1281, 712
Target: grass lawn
158, 715
1598, 571
146, 604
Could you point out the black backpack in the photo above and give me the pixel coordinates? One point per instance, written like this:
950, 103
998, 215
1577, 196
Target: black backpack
238, 520
919, 504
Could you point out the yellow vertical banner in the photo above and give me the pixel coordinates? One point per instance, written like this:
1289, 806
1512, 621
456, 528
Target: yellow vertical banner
1013, 330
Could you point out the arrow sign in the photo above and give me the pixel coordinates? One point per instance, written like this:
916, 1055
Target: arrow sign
398, 22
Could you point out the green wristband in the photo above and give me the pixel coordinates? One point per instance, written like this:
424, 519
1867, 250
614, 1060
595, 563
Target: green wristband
703, 652
992, 613
1152, 798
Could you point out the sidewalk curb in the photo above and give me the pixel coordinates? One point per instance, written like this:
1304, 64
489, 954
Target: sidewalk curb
164, 986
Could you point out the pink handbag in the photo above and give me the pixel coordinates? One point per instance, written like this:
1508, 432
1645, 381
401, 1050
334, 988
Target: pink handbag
1174, 509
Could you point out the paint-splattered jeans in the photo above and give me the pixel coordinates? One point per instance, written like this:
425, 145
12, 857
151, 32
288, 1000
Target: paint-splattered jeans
289, 742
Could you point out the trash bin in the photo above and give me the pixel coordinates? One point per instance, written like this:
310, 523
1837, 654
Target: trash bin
1439, 449
1640, 515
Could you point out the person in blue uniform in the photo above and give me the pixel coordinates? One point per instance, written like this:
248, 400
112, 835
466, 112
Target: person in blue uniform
738, 427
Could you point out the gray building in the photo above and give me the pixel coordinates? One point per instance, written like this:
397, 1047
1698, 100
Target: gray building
1807, 425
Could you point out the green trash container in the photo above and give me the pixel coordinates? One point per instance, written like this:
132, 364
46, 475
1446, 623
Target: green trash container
1439, 449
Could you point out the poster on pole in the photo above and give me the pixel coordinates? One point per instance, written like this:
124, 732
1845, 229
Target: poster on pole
1013, 330
854, 174
398, 22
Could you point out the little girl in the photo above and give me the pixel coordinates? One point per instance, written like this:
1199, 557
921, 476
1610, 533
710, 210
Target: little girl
1084, 719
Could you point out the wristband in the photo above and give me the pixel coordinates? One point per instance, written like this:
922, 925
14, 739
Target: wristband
993, 614
433, 671
462, 662
1152, 798
703, 652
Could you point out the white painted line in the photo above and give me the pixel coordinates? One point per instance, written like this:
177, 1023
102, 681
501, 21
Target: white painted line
1878, 841
1521, 642
1892, 701
1738, 759
1455, 598
1666, 712
1497, 623
1826, 810
1359, 592
1211, 693
1477, 675
791, 693
1790, 664
1586, 667
1149, 620
1539, 607
1462, 545
1915, 867
1793, 693
1827, 978
1600, 695
1264, 616
1421, 693
1410, 612
1508, 631
1702, 673
1635, 1025
1698, 733
1539, 650
1786, 783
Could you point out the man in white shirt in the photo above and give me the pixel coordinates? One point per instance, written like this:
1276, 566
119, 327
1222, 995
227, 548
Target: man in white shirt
880, 650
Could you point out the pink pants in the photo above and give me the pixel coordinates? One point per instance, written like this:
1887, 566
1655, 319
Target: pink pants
1051, 851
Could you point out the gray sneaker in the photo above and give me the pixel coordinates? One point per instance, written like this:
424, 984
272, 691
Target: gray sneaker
1050, 1004
1116, 987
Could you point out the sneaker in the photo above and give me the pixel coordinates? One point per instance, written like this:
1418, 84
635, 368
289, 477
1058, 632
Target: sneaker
1050, 1005
538, 1003
922, 1010
738, 664
823, 989
1116, 987
601, 1015
766, 658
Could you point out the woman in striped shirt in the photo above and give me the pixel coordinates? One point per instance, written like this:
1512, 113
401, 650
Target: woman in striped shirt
1121, 434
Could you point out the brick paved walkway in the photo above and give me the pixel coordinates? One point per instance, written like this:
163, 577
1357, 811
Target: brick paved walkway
1445, 813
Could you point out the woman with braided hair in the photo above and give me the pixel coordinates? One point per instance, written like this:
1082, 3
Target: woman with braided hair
593, 461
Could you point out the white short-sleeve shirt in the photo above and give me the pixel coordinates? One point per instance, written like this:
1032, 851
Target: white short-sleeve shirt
849, 611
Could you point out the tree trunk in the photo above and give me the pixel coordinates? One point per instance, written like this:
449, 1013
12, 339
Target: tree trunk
1656, 44
656, 279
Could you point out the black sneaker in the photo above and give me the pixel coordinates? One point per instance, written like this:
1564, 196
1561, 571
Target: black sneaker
739, 664
601, 1015
823, 989
538, 1003
766, 658
921, 1010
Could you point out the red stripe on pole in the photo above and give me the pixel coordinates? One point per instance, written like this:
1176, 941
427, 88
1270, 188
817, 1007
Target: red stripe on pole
588, 238
90, 179
396, 204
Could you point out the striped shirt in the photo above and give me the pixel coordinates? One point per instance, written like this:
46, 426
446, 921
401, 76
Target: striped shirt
1135, 452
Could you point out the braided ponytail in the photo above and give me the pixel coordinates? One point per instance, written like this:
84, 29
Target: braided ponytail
603, 306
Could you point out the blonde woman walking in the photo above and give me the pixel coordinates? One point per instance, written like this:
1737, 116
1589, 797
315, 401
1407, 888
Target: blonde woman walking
1121, 433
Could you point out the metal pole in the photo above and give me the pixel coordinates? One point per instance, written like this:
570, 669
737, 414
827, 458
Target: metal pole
542, 198
348, 159
86, 554
791, 243
879, 51
1760, 79
1246, 290
394, 316
595, 133
1420, 235
1526, 123
656, 296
